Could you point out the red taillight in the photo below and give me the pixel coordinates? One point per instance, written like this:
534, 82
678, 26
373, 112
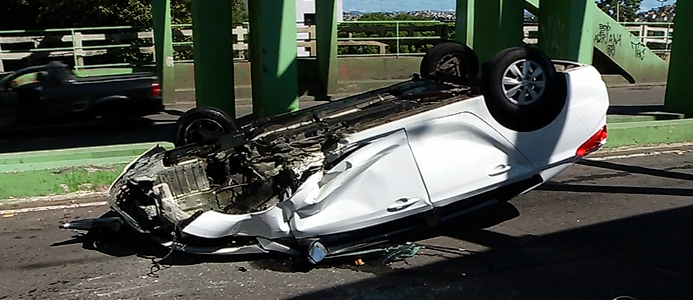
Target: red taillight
595, 142
156, 89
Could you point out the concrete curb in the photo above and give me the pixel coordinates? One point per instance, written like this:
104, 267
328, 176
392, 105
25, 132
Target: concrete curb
66, 158
635, 85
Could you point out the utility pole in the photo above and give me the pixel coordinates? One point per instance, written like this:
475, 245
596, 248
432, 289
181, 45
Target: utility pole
662, 2
618, 12
661, 7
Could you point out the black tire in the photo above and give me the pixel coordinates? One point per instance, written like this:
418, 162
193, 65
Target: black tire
520, 114
466, 61
202, 125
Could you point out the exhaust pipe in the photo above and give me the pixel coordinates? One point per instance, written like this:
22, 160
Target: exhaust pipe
113, 223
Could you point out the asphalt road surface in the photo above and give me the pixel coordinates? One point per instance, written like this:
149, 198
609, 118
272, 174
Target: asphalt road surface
161, 127
602, 230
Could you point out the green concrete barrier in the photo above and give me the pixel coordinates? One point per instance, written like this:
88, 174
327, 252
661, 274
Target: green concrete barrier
649, 132
16, 186
66, 158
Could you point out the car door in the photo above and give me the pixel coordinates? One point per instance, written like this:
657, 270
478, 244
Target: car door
59, 97
377, 183
18, 95
8, 106
460, 155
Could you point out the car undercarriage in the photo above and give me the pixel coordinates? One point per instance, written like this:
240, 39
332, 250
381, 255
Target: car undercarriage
362, 170
264, 163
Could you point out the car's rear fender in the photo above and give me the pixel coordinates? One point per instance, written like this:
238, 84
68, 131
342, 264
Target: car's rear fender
584, 114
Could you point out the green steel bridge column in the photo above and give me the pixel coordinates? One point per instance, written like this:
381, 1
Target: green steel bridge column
163, 47
326, 39
497, 25
565, 30
678, 96
213, 51
273, 51
464, 26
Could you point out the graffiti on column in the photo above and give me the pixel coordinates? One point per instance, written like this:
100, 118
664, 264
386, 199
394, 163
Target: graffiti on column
611, 40
639, 48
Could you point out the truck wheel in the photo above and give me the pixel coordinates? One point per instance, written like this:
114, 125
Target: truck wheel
450, 59
522, 89
202, 125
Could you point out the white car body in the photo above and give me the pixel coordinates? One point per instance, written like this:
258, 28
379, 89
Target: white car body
406, 168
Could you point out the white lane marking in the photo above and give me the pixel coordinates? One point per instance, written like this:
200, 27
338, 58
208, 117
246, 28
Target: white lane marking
646, 147
640, 154
69, 196
120, 291
54, 207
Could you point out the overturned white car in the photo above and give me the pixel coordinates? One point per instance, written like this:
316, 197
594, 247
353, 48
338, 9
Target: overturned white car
357, 172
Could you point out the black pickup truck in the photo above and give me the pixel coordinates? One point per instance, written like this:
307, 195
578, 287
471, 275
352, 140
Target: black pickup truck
53, 92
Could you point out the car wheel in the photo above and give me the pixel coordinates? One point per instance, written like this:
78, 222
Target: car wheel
522, 89
202, 125
450, 59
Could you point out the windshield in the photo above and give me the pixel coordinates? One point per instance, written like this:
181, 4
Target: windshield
53, 73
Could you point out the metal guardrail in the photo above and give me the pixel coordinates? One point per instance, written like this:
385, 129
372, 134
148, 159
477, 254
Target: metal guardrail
75, 37
380, 35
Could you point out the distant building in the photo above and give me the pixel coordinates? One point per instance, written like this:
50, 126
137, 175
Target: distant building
305, 16
667, 13
305, 11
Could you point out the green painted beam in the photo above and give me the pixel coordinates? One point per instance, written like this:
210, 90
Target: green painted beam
326, 41
497, 26
213, 39
464, 25
637, 62
163, 47
565, 30
619, 48
273, 49
678, 94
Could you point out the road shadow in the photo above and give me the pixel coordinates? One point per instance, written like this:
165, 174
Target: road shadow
624, 171
128, 242
666, 173
66, 134
641, 257
656, 112
634, 109
578, 188
645, 256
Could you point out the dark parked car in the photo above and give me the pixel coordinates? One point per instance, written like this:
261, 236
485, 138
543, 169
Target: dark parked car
53, 92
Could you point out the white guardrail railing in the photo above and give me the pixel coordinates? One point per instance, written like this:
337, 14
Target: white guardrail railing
385, 37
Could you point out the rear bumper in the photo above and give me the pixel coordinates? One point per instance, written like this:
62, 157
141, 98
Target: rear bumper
151, 105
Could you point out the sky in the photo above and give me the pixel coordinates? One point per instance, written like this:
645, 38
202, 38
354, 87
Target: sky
410, 5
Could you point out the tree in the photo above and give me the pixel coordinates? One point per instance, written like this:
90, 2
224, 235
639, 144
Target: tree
44, 14
621, 10
238, 12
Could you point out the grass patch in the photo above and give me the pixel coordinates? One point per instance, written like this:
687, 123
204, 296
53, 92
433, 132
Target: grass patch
58, 181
